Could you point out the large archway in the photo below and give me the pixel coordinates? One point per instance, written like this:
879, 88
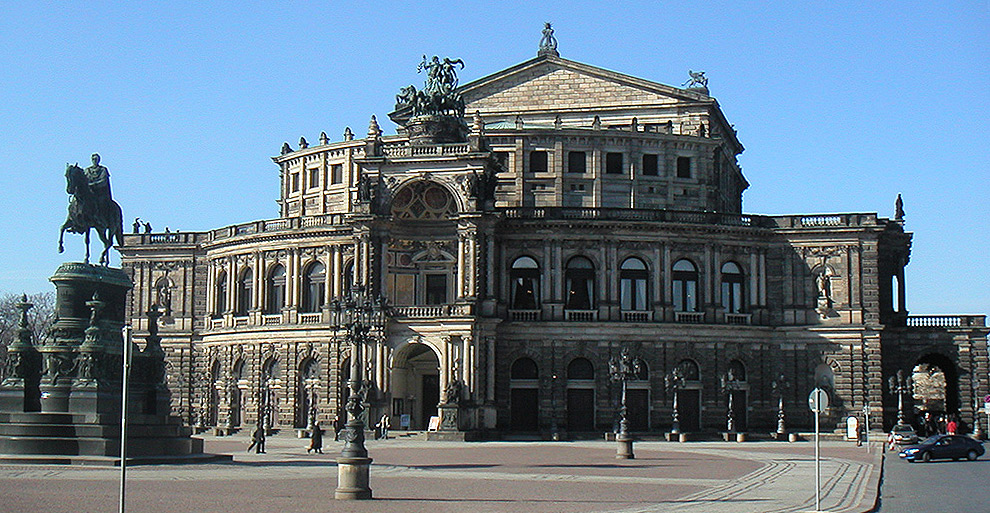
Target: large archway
935, 386
415, 386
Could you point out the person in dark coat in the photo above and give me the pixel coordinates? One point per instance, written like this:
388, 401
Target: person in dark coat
316, 439
258, 440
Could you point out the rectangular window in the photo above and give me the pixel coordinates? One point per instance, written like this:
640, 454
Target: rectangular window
436, 289
402, 289
613, 163
577, 162
314, 177
683, 167
537, 162
337, 173
502, 161
295, 182
651, 165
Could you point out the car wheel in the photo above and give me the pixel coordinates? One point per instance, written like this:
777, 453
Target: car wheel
972, 455
926, 457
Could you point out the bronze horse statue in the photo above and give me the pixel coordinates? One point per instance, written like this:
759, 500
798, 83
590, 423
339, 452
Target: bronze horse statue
84, 214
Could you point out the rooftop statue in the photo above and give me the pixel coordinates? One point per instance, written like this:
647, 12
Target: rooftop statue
92, 207
698, 79
439, 96
548, 43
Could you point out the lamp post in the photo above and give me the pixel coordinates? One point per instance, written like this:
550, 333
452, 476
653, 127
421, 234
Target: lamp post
729, 384
622, 369
899, 385
674, 381
361, 317
780, 386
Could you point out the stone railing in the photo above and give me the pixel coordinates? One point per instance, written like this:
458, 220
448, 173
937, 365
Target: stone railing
738, 318
946, 321
310, 318
689, 317
216, 324
136, 239
826, 220
274, 226
432, 150
636, 214
524, 315
637, 316
272, 319
581, 315
430, 311
240, 322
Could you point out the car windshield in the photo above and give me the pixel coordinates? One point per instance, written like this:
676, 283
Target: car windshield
931, 439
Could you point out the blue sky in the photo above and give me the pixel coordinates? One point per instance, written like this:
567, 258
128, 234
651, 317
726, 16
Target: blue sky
841, 105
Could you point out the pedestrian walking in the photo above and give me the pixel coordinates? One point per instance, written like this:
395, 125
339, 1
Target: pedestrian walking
338, 426
383, 426
258, 440
951, 427
316, 439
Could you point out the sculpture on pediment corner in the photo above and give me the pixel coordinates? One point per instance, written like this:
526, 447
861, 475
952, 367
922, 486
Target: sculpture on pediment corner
698, 79
91, 207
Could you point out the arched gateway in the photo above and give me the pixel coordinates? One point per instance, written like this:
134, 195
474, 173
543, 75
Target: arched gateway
415, 385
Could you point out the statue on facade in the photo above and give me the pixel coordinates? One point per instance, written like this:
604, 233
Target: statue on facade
452, 393
698, 79
92, 207
898, 209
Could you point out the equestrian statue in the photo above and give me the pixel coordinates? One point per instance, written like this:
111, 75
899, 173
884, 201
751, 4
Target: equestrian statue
92, 207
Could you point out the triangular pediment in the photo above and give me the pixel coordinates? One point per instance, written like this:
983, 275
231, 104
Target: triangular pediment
553, 84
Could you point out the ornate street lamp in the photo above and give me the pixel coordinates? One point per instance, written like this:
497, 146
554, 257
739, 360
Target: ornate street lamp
623, 369
362, 318
674, 381
729, 384
780, 387
900, 385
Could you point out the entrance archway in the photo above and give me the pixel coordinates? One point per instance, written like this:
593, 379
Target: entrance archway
415, 383
935, 386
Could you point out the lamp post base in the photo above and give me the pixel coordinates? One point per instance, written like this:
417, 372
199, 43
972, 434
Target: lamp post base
624, 451
352, 479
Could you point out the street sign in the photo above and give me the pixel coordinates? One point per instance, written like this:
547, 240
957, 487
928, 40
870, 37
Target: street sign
818, 400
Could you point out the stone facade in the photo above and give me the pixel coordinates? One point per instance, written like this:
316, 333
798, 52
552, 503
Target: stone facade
586, 212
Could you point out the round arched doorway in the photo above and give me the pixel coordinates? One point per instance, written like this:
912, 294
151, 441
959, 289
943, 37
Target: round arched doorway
415, 386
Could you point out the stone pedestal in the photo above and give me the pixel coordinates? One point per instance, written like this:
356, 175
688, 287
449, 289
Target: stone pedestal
353, 482
425, 130
624, 449
449, 417
79, 371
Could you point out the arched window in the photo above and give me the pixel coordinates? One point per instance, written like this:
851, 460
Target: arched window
644, 371
525, 284
632, 284
579, 280
220, 305
737, 371
524, 368
347, 279
276, 290
245, 292
313, 287
732, 288
685, 280
580, 368
689, 368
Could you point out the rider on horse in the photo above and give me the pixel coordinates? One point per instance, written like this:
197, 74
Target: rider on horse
99, 184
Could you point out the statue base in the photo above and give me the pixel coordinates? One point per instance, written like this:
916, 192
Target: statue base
425, 130
353, 482
77, 415
624, 450
449, 417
